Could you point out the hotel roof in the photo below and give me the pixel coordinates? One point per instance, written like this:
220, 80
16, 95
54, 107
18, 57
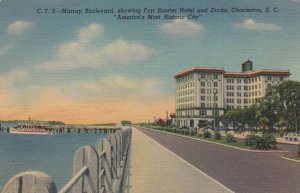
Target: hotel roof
234, 74
201, 69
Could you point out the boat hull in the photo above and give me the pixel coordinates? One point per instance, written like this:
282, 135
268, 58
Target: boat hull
29, 131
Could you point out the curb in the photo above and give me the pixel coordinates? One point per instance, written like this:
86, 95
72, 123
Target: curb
286, 158
188, 137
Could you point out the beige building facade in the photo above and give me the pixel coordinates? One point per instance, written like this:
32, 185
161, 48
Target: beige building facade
202, 94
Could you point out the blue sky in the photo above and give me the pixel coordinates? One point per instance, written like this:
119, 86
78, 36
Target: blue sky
95, 68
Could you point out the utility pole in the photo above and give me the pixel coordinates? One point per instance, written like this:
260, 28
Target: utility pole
214, 110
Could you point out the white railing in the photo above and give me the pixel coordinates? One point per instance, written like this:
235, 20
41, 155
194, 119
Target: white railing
95, 170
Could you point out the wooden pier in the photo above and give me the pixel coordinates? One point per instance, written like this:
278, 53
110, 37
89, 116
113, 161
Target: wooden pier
77, 129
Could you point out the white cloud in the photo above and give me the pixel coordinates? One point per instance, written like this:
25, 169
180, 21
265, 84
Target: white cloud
86, 34
81, 53
122, 51
253, 25
181, 27
19, 27
6, 48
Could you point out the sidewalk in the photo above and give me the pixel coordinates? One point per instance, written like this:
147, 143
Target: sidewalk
278, 139
152, 168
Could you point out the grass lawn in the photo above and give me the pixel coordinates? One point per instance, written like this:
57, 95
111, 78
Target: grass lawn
293, 156
239, 144
296, 158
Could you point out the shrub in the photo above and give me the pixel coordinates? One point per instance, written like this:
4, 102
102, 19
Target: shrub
192, 133
207, 134
186, 132
199, 135
251, 140
218, 136
229, 138
266, 141
182, 131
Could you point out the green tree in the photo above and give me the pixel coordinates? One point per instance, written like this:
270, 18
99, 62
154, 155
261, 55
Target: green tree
285, 101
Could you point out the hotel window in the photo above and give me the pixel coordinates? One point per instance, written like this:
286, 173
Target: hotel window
269, 78
202, 113
230, 100
230, 107
269, 85
238, 94
230, 80
239, 81
217, 113
203, 105
239, 107
256, 86
203, 76
209, 84
245, 87
245, 81
239, 101
249, 87
203, 98
215, 83
281, 78
202, 83
230, 87
245, 94
239, 88
202, 91
215, 76
246, 101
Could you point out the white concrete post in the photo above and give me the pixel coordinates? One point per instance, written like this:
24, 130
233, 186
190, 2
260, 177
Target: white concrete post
88, 183
100, 149
30, 182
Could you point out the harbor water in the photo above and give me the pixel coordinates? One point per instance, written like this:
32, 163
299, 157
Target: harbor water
52, 154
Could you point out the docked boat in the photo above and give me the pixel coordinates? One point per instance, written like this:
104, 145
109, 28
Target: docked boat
32, 127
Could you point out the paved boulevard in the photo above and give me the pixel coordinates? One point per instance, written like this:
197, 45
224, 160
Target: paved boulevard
242, 172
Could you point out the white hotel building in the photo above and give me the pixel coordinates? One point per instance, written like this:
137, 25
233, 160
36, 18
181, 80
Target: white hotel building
202, 91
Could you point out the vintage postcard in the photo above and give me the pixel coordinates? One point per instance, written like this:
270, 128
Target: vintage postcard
139, 96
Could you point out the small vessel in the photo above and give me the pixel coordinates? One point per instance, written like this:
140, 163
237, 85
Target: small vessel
32, 127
